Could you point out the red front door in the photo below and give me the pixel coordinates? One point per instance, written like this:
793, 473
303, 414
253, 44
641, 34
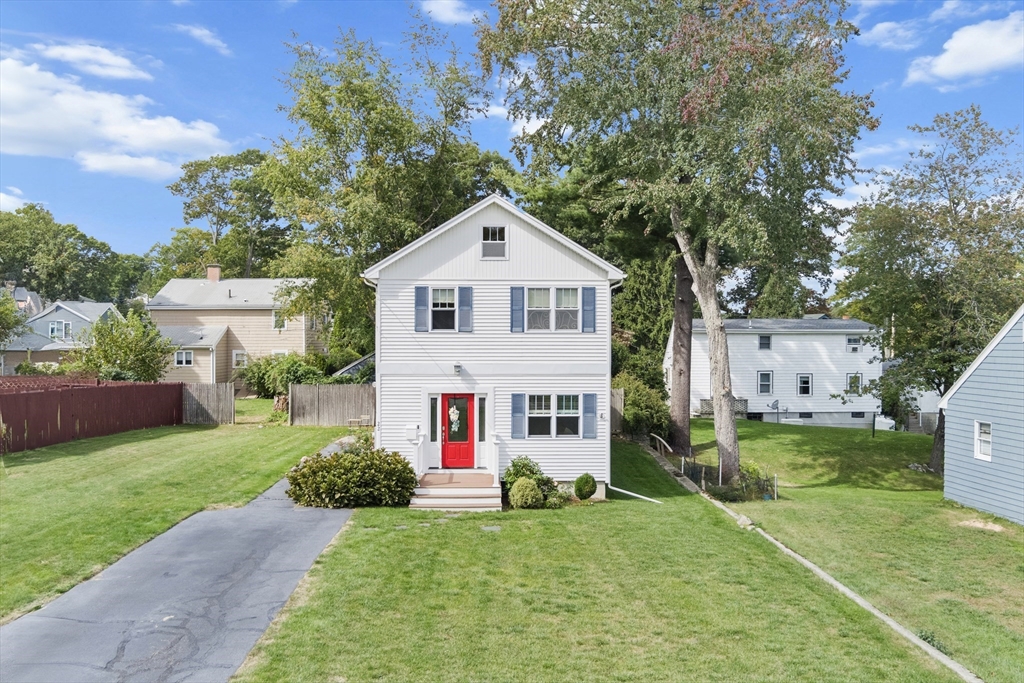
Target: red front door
457, 430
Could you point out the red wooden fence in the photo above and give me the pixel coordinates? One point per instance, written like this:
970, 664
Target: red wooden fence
49, 412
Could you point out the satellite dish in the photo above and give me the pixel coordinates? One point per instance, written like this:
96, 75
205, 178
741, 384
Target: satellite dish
774, 405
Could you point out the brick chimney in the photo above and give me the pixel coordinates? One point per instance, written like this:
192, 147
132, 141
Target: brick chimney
846, 317
213, 272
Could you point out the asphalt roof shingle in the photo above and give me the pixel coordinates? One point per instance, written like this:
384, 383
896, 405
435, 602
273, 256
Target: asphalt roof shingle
187, 336
236, 293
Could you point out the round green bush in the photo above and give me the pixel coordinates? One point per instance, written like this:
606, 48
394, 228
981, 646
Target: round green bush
521, 466
361, 476
585, 486
525, 494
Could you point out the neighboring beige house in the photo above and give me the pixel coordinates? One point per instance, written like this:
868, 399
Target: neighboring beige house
220, 324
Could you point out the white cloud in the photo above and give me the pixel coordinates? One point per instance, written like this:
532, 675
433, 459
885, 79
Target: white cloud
14, 190
865, 7
147, 167
93, 59
45, 114
953, 9
450, 11
205, 36
10, 202
883, 149
524, 127
974, 51
892, 35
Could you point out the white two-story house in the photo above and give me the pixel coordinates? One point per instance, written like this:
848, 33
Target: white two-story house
800, 363
493, 341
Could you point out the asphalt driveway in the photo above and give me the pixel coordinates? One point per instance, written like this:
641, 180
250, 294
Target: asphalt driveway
187, 606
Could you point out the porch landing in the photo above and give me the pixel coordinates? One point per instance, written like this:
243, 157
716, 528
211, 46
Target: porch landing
456, 491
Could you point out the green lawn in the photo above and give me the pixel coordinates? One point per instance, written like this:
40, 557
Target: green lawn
619, 591
850, 504
253, 410
67, 511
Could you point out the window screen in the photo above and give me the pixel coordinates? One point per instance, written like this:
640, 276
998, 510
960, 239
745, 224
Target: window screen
442, 309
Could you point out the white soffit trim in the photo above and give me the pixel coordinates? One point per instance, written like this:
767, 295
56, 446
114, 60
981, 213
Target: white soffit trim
373, 272
1014, 319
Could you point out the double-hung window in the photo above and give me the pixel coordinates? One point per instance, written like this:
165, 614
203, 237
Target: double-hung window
983, 441
764, 342
239, 359
764, 382
804, 385
853, 344
567, 415
538, 308
854, 382
442, 309
493, 244
183, 359
567, 308
539, 416
280, 322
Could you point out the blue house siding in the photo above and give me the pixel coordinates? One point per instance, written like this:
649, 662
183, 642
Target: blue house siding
993, 393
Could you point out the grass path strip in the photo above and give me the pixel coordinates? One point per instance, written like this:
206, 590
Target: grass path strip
955, 666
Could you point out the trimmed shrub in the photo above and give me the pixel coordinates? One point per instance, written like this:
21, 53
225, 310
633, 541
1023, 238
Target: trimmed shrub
361, 476
270, 376
585, 486
644, 410
521, 466
525, 494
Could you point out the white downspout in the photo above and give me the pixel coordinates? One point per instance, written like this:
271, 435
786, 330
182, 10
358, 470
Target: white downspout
213, 365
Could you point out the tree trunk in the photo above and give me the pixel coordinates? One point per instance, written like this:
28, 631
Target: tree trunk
705, 277
938, 459
682, 344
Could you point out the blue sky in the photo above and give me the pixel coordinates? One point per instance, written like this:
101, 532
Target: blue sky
101, 102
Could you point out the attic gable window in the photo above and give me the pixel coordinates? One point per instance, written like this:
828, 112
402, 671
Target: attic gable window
493, 244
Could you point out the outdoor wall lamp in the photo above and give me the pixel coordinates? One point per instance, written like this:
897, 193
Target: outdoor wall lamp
458, 368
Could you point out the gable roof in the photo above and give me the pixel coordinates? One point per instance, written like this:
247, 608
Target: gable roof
1014, 319
89, 311
249, 293
189, 337
30, 341
789, 325
373, 272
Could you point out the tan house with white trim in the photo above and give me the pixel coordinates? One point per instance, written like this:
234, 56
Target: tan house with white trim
220, 324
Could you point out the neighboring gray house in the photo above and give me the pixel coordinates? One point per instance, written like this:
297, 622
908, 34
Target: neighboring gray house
29, 303
54, 331
985, 427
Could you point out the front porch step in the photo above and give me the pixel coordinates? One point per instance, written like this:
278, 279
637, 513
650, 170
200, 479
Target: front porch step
456, 491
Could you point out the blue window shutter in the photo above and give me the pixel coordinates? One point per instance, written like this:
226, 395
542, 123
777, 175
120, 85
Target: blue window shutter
519, 416
465, 309
421, 308
517, 309
589, 309
589, 416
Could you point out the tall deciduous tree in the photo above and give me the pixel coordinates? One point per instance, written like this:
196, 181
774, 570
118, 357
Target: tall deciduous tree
382, 155
936, 259
12, 321
59, 261
225, 191
726, 116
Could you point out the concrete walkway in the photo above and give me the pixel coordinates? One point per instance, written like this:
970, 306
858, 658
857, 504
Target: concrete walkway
187, 606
